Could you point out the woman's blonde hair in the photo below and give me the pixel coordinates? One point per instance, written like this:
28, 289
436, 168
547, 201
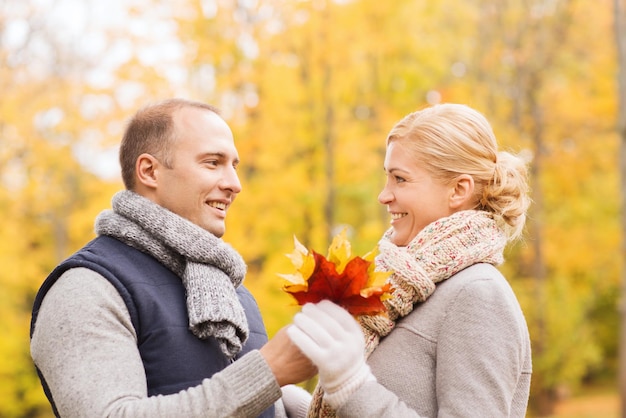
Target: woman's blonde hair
454, 139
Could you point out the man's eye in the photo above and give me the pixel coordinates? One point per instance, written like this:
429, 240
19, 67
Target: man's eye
399, 179
212, 163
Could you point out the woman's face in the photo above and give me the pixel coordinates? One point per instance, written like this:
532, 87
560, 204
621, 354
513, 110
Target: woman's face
412, 196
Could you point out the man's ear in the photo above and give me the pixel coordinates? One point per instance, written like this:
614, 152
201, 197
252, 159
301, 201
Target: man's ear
146, 171
462, 193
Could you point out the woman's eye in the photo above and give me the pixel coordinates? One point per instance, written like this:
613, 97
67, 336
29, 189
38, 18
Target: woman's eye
399, 179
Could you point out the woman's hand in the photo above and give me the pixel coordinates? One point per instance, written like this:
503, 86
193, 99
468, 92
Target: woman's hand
332, 339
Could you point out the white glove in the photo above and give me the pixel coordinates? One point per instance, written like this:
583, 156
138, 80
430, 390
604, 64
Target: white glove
332, 339
296, 401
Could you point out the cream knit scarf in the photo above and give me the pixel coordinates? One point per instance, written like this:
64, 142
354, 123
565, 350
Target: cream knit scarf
439, 251
209, 268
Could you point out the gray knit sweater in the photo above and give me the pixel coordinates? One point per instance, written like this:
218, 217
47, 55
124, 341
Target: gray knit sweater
465, 352
98, 372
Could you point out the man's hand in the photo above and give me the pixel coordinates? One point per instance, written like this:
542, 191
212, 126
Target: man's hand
286, 360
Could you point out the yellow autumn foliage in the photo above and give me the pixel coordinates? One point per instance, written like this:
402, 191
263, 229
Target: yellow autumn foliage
311, 89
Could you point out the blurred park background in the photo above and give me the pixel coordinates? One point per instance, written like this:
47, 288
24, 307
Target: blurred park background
310, 89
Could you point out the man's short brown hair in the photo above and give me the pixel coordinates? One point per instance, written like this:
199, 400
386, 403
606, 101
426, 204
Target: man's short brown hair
151, 130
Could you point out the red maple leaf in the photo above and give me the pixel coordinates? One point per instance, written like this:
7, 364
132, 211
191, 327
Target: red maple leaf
357, 288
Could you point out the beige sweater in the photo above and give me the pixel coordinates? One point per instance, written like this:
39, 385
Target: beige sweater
85, 345
465, 352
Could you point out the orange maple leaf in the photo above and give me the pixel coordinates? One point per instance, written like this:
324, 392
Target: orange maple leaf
350, 282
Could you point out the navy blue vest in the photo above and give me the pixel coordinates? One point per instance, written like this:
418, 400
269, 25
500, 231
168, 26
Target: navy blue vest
174, 359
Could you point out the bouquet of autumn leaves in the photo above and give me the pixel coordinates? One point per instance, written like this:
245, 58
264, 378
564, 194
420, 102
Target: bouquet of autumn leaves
350, 282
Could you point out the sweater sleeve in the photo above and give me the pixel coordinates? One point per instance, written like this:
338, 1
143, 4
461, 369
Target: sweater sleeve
85, 346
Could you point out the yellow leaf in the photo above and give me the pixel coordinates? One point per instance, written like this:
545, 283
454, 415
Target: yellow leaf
339, 251
304, 262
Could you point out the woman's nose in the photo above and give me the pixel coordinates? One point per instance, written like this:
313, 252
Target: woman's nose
385, 196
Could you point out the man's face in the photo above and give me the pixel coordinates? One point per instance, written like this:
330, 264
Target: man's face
202, 181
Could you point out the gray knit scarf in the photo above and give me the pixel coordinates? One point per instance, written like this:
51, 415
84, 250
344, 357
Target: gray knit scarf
209, 268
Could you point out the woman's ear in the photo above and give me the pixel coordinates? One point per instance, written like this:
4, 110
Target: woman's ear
146, 171
463, 193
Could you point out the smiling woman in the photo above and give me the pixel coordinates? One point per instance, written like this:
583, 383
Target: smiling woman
454, 338
448, 155
413, 197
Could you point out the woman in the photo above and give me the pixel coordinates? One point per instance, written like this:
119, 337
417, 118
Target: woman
455, 341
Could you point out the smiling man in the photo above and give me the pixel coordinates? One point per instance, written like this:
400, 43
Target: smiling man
151, 319
197, 179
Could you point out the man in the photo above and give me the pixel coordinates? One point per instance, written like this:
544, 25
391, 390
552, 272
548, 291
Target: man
150, 318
